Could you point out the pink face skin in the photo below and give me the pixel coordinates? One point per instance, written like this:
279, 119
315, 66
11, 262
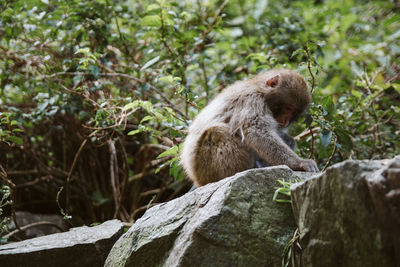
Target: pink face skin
286, 115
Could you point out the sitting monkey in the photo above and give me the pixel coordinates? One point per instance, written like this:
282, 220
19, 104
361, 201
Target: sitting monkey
243, 124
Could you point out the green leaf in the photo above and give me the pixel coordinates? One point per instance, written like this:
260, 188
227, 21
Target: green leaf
346, 21
130, 106
357, 94
150, 62
94, 70
326, 137
329, 106
98, 198
172, 151
396, 87
84, 51
5, 119
152, 21
175, 169
169, 79
344, 137
162, 166
391, 20
138, 103
297, 52
77, 79
15, 139
133, 132
146, 118
152, 7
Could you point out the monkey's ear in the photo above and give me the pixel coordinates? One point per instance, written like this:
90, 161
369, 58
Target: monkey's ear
272, 82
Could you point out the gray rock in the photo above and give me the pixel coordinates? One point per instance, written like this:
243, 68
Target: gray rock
233, 222
26, 218
350, 215
81, 246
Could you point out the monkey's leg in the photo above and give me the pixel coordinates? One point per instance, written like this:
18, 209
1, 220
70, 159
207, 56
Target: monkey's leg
218, 155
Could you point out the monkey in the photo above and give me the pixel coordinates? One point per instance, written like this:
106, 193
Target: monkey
243, 124
283, 134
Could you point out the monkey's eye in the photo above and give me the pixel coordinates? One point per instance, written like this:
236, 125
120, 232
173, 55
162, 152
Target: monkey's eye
288, 109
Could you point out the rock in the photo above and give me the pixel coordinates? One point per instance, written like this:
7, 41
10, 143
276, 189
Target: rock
26, 218
233, 222
350, 215
81, 246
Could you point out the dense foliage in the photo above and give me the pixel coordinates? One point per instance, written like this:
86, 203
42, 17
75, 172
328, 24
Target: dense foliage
96, 96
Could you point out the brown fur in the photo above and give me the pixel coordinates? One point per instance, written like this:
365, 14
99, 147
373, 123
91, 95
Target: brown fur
240, 121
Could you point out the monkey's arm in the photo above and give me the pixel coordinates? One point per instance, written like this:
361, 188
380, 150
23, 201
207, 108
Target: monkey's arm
287, 139
261, 135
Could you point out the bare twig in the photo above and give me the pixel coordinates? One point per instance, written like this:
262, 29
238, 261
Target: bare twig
25, 227
377, 140
305, 47
140, 175
392, 79
309, 68
142, 209
114, 175
23, 172
125, 179
206, 87
150, 192
156, 162
67, 187
127, 224
362, 136
307, 132
30, 183
330, 158
184, 183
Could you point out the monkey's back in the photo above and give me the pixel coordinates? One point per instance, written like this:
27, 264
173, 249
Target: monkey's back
226, 109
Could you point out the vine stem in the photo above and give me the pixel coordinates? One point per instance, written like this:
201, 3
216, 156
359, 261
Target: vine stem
309, 68
330, 158
312, 90
67, 187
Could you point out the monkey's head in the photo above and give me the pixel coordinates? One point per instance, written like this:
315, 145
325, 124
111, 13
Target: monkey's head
286, 94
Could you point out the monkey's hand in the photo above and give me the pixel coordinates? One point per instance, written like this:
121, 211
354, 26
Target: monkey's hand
308, 165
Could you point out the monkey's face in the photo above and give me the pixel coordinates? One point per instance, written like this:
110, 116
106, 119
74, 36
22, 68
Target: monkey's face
285, 115
286, 96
